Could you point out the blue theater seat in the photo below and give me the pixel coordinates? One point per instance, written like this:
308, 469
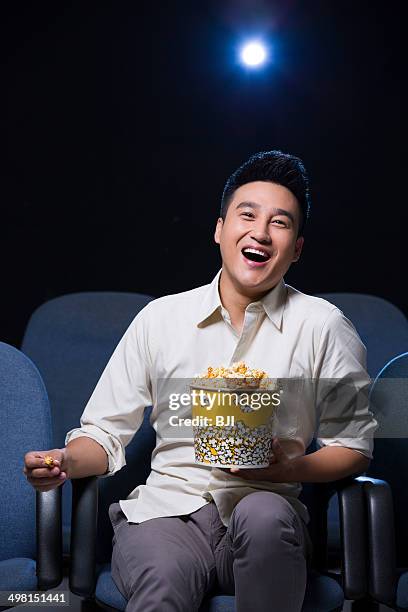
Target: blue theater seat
382, 326
383, 329
386, 488
30, 542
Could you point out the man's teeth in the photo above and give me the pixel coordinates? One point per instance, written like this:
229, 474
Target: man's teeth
262, 253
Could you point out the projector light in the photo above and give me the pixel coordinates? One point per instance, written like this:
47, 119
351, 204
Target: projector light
253, 54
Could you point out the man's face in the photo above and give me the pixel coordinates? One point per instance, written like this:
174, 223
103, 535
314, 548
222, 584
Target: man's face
263, 216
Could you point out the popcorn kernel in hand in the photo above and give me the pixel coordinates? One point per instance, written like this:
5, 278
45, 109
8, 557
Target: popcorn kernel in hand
49, 461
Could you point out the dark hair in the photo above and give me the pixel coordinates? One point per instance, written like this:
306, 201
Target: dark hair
276, 167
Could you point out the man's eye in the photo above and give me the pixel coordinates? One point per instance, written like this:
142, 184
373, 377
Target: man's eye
247, 214
279, 221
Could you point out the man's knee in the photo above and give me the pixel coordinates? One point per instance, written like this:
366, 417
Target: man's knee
165, 585
266, 517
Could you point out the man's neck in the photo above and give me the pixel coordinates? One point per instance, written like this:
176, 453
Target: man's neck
235, 301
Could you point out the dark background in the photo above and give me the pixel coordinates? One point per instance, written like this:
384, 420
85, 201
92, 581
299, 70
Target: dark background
120, 123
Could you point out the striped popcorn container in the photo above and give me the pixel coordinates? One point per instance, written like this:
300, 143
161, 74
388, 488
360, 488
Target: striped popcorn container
233, 422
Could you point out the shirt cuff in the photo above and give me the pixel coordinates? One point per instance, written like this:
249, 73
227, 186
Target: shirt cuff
363, 446
112, 447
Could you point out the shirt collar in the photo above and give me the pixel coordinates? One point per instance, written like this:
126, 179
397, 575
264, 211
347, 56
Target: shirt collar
273, 302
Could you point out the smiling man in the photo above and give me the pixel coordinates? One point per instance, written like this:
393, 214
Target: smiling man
192, 528
258, 237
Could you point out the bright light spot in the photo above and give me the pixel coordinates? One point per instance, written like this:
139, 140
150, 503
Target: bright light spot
253, 54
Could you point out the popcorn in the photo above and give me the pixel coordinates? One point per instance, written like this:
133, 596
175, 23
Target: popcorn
237, 376
237, 370
49, 461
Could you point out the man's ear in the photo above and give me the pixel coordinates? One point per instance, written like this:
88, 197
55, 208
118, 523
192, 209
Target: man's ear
218, 229
298, 248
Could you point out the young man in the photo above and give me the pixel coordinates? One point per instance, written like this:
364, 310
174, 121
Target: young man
192, 526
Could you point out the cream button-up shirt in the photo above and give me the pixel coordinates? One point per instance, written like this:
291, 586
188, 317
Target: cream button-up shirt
288, 334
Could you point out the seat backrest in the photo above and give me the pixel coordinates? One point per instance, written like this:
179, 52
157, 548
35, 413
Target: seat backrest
25, 426
389, 403
382, 327
71, 339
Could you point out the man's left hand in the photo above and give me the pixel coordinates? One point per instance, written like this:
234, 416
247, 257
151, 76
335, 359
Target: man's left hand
280, 468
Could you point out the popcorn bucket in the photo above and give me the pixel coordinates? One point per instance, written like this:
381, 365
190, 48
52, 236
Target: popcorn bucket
233, 426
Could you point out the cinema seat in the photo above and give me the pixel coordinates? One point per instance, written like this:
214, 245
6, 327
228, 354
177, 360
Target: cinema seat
31, 540
383, 329
382, 326
386, 489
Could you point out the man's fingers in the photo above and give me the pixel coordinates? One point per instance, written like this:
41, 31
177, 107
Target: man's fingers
34, 461
276, 446
52, 482
43, 472
42, 476
31, 461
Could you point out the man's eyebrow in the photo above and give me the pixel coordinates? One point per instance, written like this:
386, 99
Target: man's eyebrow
249, 204
276, 211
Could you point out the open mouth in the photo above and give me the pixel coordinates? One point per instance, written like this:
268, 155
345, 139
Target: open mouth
255, 255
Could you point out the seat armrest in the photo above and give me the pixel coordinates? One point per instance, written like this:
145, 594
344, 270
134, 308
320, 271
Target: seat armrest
353, 529
382, 572
49, 539
352, 518
83, 536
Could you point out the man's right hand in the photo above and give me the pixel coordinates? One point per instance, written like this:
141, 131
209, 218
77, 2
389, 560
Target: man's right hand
38, 474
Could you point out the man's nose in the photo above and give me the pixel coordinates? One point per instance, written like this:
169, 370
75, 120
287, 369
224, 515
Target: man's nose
261, 234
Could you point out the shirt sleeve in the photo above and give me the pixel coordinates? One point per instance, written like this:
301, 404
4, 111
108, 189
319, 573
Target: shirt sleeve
342, 387
114, 412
